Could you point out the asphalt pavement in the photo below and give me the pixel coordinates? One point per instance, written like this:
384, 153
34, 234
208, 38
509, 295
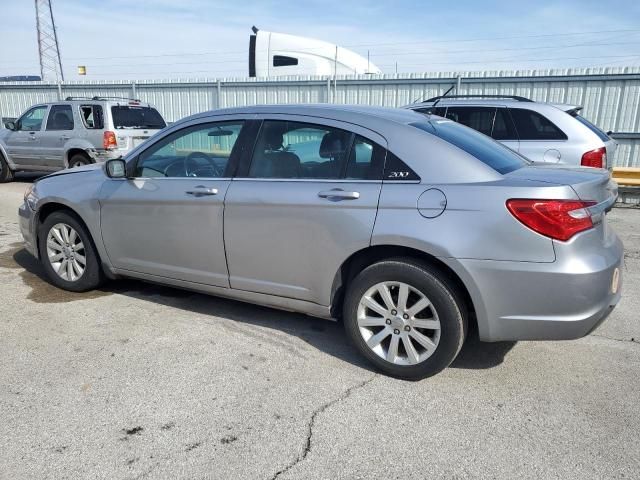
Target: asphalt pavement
141, 381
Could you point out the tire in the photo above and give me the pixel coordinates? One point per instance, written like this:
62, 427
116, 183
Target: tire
443, 319
91, 276
78, 160
6, 174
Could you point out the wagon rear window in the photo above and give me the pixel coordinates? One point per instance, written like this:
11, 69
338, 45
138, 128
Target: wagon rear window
488, 151
137, 117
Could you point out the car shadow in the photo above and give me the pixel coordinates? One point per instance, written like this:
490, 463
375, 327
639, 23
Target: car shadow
323, 335
28, 177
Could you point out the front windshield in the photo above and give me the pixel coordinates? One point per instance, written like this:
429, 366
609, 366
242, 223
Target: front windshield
488, 151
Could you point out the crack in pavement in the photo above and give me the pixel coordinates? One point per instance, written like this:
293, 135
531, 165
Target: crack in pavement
312, 421
626, 340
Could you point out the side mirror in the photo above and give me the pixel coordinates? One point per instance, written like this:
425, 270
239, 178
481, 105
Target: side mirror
116, 168
10, 125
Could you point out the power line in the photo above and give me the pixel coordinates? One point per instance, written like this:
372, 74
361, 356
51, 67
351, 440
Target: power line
425, 42
417, 54
449, 52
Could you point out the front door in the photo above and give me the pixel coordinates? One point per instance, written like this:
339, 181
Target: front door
24, 142
303, 204
167, 220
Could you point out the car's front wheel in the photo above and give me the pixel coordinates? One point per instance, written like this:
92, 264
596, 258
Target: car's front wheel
405, 317
68, 254
6, 174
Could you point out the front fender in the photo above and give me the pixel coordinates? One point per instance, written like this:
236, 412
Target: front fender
81, 195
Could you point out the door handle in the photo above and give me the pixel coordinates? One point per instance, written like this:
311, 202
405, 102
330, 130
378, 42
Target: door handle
201, 191
32, 136
65, 137
338, 194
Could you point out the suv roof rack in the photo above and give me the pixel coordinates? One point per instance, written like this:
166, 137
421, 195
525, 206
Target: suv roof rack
77, 98
513, 97
116, 98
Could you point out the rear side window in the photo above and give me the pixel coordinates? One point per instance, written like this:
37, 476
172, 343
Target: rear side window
494, 154
132, 117
601, 135
60, 118
503, 126
478, 118
366, 160
92, 117
299, 150
533, 126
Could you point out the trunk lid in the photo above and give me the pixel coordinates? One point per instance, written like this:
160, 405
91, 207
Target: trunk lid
589, 184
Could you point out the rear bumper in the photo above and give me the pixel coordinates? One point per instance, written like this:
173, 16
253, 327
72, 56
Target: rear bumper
544, 301
104, 155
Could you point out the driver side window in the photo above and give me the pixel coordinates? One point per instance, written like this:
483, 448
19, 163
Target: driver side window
32, 120
197, 151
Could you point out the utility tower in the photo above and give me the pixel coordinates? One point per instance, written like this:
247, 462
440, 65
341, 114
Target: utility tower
48, 47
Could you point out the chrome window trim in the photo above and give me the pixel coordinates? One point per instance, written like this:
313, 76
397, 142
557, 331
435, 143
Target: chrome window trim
304, 180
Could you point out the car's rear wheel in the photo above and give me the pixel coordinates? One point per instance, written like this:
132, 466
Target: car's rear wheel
6, 174
78, 160
68, 254
405, 317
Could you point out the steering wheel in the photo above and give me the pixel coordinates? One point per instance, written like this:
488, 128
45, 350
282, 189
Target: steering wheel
191, 166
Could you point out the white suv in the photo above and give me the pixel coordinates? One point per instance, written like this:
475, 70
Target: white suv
542, 132
74, 132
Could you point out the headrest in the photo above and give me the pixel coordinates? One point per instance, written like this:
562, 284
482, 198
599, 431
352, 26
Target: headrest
273, 138
61, 120
332, 145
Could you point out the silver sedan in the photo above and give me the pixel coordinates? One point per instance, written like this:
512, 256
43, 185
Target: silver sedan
411, 229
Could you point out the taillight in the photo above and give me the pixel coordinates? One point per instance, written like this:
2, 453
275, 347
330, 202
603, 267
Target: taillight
557, 219
595, 158
109, 140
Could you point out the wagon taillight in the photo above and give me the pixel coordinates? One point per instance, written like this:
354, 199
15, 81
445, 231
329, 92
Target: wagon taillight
595, 158
109, 141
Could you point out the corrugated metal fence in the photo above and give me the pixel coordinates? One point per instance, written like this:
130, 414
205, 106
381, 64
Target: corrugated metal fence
610, 96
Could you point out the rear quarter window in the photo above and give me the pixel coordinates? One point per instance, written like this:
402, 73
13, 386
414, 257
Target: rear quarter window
601, 135
488, 151
534, 126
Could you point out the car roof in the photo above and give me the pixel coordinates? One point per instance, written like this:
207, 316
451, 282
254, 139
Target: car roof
369, 116
495, 102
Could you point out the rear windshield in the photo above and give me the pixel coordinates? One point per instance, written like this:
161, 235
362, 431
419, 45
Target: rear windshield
601, 135
136, 117
488, 151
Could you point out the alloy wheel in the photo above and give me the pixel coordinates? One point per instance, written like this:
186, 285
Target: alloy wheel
398, 323
66, 252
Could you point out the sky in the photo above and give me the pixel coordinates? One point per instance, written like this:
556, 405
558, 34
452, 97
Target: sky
195, 39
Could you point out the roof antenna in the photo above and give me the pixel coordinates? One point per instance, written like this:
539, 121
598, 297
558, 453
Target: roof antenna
254, 29
421, 98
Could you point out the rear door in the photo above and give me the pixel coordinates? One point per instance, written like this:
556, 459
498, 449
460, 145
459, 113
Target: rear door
303, 201
23, 143
167, 220
58, 130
